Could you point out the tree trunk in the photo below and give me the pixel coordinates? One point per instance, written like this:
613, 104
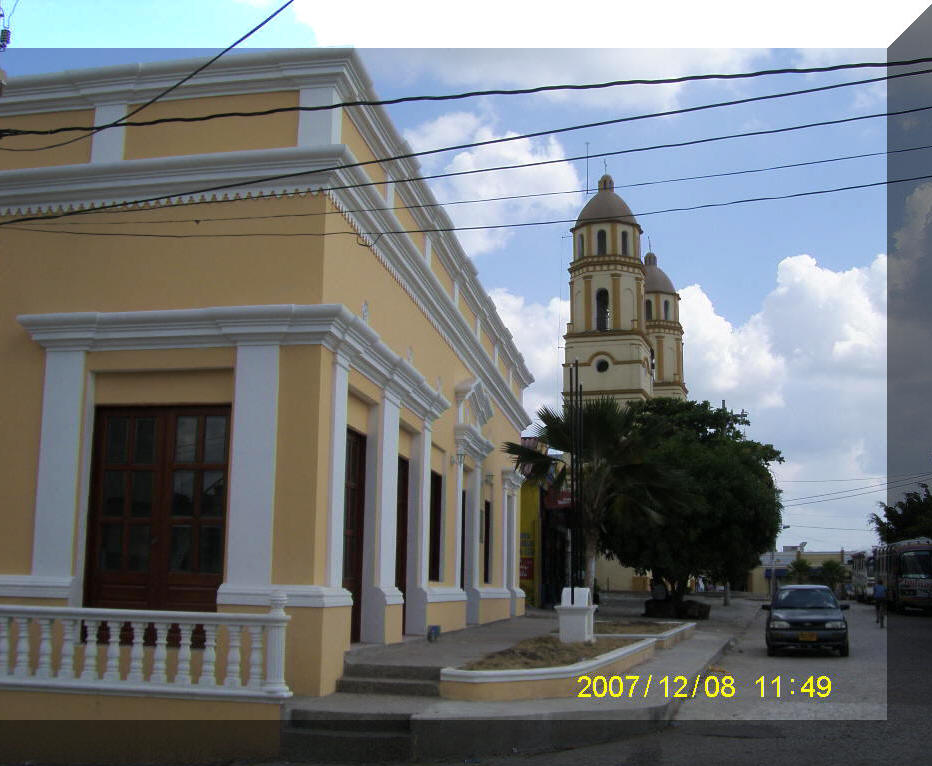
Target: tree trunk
589, 553
727, 599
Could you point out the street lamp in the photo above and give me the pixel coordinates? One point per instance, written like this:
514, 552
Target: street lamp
773, 569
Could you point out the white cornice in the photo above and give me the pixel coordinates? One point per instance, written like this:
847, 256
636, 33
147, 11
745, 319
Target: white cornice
512, 479
237, 73
92, 185
330, 325
472, 443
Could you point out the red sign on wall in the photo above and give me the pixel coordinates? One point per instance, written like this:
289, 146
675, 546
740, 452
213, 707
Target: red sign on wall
527, 568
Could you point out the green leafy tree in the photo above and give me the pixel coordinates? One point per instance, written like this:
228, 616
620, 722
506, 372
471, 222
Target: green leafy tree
905, 519
832, 573
733, 512
613, 467
800, 570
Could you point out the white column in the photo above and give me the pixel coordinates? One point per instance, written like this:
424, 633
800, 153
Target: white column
252, 466
323, 126
418, 533
473, 504
108, 145
380, 525
58, 472
336, 497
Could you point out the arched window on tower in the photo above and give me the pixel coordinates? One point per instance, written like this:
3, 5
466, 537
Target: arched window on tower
601, 309
624, 243
601, 245
648, 309
666, 310
582, 246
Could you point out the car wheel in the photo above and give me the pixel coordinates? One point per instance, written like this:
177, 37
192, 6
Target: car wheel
843, 651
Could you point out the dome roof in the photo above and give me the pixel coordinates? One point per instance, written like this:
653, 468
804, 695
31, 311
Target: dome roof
606, 205
655, 281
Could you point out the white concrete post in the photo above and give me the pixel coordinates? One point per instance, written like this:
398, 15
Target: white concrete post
419, 534
381, 523
252, 466
58, 473
473, 505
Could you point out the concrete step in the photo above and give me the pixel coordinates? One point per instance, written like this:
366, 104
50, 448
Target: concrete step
355, 722
310, 745
369, 685
405, 672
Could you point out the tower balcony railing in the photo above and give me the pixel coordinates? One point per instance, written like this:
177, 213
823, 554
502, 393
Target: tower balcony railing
143, 652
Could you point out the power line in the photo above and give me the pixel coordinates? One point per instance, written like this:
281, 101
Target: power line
846, 497
363, 163
495, 92
502, 198
124, 120
845, 529
439, 229
910, 478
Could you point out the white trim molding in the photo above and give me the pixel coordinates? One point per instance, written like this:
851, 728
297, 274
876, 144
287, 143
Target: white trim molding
437, 594
319, 596
34, 586
472, 443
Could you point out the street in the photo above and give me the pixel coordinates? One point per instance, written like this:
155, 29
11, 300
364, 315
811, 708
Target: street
857, 683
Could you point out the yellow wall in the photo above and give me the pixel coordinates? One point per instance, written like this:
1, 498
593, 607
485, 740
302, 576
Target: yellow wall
449, 615
492, 609
170, 387
613, 576
529, 542
72, 154
353, 139
219, 135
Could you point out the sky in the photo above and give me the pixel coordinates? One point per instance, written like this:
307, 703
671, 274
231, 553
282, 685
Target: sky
783, 302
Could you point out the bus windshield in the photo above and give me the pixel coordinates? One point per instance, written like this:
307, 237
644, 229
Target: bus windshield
916, 564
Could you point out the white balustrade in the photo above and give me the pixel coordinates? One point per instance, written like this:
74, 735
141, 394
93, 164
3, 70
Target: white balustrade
34, 654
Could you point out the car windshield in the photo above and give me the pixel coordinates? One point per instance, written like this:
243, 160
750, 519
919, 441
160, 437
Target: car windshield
805, 599
916, 564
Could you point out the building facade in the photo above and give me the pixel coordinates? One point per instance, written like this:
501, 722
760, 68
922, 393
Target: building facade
291, 386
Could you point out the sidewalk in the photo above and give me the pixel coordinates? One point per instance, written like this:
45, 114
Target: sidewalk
442, 728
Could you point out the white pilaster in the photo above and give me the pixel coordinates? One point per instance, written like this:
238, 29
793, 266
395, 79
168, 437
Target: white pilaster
108, 145
380, 526
473, 502
337, 489
511, 485
58, 473
320, 127
418, 534
252, 465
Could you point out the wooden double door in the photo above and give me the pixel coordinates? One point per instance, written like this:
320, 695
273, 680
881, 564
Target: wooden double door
158, 507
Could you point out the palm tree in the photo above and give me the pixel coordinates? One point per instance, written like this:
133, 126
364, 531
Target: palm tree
613, 472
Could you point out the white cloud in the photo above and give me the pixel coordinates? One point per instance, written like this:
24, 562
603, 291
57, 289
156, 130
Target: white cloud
538, 332
466, 127
722, 361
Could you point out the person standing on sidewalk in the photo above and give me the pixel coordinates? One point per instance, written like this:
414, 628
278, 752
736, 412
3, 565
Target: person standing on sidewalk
880, 601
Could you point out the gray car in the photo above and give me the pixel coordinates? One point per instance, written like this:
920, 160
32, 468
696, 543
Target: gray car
806, 617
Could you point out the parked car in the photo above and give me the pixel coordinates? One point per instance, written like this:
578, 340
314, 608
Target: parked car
806, 617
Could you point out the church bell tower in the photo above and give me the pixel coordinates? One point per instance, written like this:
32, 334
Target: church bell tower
624, 325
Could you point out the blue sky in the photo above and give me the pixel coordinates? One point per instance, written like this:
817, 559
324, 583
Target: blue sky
783, 302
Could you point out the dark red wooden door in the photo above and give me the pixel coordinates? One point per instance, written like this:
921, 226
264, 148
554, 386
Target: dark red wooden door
353, 513
401, 537
158, 505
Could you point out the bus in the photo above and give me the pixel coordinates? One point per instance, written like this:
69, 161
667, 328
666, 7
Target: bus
906, 569
862, 575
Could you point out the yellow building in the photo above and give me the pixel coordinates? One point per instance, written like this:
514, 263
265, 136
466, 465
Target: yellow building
286, 391
778, 564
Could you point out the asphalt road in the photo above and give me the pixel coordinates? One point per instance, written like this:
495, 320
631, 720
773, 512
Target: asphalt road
842, 688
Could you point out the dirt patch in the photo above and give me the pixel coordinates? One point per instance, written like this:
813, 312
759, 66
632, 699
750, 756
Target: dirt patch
635, 627
546, 652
